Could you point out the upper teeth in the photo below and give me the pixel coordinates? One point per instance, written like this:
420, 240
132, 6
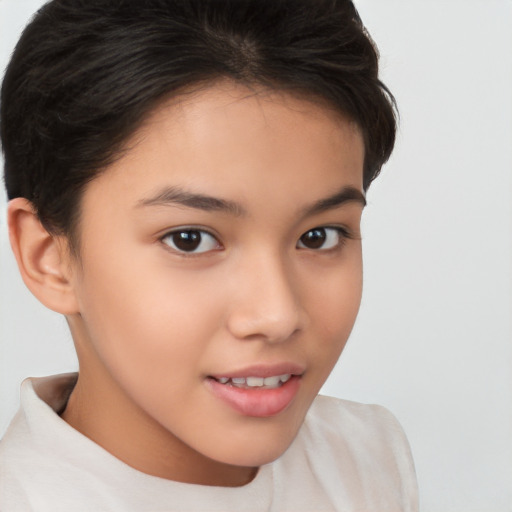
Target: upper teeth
256, 382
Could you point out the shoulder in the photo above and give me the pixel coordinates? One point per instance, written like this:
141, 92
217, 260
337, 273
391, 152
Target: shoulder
31, 467
343, 418
369, 434
360, 455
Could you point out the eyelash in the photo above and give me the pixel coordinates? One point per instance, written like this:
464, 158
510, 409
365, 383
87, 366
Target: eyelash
189, 230
342, 233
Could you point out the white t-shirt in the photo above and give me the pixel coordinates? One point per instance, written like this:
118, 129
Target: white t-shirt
346, 457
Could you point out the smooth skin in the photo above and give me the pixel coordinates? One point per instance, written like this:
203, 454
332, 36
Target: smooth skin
227, 236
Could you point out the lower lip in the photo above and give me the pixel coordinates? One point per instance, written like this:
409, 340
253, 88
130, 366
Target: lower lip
256, 402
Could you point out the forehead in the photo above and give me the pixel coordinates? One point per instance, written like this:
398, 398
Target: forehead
239, 143
228, 108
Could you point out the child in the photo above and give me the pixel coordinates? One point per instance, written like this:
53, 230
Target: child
186, 182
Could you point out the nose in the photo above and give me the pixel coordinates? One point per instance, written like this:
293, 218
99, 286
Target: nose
266, 301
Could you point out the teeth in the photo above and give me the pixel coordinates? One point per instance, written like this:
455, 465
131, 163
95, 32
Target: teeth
257, 382
272, 382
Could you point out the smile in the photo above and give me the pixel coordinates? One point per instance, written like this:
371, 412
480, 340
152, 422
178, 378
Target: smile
256, 396
272, 382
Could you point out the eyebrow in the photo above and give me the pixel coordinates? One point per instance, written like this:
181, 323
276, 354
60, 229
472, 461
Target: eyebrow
347, 194
170, 196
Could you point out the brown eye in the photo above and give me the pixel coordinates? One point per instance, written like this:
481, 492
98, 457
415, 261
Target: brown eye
321, 238
190, 241
313, 239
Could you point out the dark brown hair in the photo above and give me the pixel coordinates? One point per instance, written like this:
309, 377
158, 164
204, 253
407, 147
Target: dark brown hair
86, 73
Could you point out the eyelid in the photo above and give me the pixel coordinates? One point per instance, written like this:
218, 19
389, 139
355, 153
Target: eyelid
189, 254
344, 234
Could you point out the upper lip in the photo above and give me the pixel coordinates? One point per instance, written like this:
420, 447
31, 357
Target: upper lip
263, 370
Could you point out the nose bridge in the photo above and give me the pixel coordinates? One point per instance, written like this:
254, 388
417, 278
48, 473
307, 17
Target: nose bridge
267, 301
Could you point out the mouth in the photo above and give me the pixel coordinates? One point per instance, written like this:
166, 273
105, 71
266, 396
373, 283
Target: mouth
271, 382
268, 393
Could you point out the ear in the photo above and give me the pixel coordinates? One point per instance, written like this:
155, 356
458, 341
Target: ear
43, 259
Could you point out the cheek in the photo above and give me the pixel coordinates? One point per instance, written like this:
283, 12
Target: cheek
334, 305
144, 317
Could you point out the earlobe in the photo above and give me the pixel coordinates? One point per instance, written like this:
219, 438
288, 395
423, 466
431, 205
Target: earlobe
43, 258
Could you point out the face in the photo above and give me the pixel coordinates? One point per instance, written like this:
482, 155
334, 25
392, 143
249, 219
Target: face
219, 278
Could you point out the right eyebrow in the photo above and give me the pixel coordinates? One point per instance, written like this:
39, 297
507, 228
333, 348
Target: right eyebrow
172, 196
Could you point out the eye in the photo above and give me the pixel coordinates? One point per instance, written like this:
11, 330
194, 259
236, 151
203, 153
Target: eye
193, 241
322, 238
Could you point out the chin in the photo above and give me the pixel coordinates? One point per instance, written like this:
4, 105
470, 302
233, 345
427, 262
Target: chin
254, 450
253, 459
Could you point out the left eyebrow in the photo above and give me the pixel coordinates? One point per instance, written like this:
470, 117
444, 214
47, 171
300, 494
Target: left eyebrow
345, 195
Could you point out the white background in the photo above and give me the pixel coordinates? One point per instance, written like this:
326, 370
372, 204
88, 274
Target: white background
433, 341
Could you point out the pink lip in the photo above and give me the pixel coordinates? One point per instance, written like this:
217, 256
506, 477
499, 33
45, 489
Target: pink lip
258, 402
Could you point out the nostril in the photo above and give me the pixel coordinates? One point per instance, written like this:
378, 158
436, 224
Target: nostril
271, 327
266, 304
